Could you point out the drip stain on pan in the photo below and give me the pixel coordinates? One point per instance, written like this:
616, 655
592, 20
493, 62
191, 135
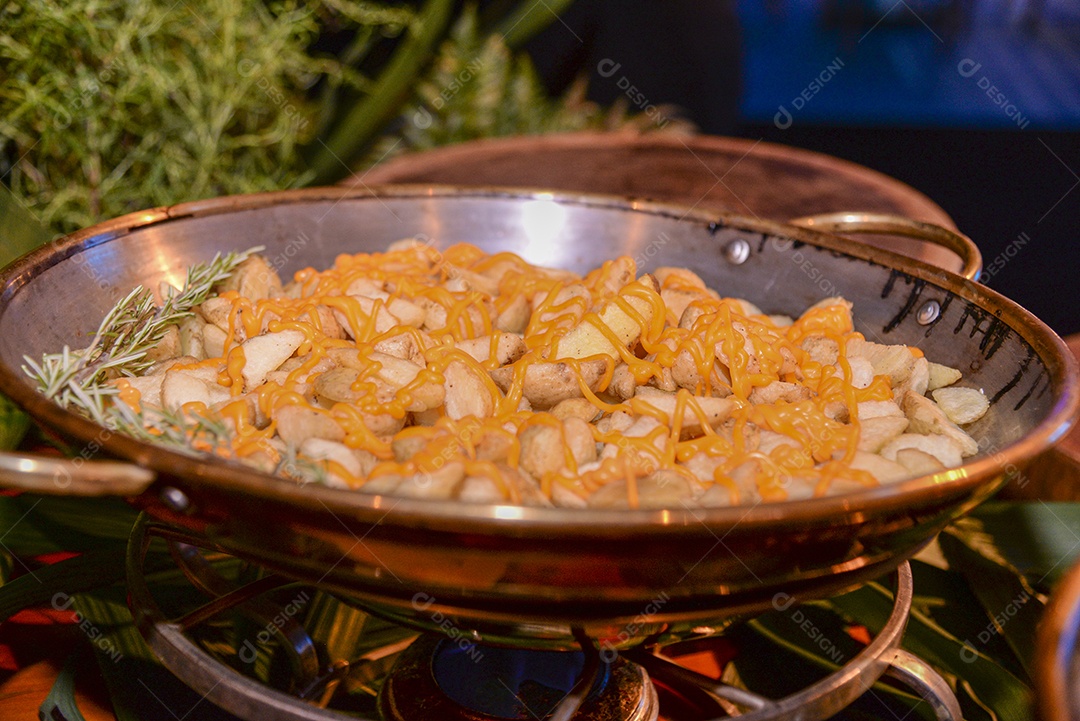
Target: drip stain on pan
993, 329
917, 286
1038, 379
1016, 377
893, 275
763, 238
715, 227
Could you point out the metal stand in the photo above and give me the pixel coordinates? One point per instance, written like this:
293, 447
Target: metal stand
311, 686
228, 689
838, 690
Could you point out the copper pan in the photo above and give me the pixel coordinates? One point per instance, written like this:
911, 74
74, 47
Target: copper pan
530, 575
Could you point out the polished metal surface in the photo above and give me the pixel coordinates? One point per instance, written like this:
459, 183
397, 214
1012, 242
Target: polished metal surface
883, 224
839, 689
927, 683
928, 313
760, 179
608, 687
720, 174
218, 683
66, 477
527, 575
302, 654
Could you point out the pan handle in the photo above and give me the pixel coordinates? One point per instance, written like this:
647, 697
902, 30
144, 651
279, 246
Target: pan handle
70, 477
886, 224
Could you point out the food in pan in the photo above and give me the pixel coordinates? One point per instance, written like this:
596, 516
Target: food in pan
481, 378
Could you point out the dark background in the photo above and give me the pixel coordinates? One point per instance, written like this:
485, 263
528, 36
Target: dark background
995, 184
907, 95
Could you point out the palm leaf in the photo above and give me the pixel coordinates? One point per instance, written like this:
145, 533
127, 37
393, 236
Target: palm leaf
1012, 607
33, 525
988, 682
61, 703
141, 688
1037, 539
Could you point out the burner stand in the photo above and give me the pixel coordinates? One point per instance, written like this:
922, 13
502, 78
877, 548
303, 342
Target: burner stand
513, 684
414, 688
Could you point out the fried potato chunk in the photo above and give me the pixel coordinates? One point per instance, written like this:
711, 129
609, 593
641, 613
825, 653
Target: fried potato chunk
588, 340
961, 405
448, 373
548, 384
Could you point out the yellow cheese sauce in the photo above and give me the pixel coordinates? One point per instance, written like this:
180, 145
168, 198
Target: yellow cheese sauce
733, 354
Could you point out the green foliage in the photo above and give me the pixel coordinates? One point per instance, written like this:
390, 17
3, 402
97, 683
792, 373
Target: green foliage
20, 233
359, 121
109, 107
13, 424
478, 88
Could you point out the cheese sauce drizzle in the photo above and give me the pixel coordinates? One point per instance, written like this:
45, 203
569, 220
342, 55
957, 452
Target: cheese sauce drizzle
418, 304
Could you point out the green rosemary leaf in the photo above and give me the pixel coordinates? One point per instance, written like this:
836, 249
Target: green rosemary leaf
120, 345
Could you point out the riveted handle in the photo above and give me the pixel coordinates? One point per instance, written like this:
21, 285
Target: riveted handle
886, 224
72, 477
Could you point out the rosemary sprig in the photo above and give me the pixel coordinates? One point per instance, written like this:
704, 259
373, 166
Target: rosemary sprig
79, 379
301, 470
184, 432
75, 379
